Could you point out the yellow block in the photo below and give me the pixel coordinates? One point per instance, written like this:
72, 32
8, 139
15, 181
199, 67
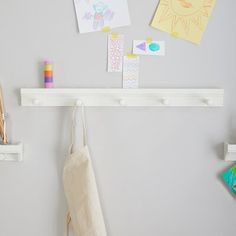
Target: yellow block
48, 67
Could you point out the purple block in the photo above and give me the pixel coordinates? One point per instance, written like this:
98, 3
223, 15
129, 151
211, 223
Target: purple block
48, 79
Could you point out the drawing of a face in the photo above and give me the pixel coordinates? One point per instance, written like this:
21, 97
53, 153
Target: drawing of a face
99, 7
185, 14
187, 7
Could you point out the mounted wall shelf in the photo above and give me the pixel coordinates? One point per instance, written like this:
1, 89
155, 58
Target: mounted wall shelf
11, 152
230, 152
123, 97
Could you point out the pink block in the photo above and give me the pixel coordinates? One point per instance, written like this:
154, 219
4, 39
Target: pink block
48, 85
47, 62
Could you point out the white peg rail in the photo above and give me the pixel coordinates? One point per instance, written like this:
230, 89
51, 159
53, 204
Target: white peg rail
123, 97
11, 152
230, 152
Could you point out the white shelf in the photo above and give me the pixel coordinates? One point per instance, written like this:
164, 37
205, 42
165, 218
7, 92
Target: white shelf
123, 97
11, 152
230, 152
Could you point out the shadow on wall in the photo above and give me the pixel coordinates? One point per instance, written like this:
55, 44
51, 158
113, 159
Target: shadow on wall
61, 151
219, 151
232, 129
231, 138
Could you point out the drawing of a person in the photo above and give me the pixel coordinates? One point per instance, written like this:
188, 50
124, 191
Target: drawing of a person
101, 14
99, 10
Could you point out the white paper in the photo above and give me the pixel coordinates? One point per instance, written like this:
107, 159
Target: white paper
115, 53
130, 72
93, 15
154, 48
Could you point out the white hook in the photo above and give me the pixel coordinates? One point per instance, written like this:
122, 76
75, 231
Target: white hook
2, 157
36, 102
78, 102
122, 102
208, 101
165, 101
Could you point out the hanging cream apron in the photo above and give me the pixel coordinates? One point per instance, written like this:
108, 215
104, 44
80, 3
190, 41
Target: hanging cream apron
85, 213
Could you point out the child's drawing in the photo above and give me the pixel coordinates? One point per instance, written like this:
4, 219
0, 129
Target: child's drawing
185, 3
100, 15
93, 15
185, 19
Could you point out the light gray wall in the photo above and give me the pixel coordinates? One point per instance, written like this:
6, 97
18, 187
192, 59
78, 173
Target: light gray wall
157, 168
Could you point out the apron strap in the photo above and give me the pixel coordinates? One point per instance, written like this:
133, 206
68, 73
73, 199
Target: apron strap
73, 127
85, 139
85, 142
68, 220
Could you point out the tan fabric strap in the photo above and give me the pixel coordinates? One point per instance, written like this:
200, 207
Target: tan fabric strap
73, 127
73, 130
68, 220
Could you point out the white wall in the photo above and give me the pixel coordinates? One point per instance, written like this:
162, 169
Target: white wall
157, 168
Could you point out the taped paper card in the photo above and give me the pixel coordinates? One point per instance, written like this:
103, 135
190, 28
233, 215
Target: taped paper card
115, 52
130, 72
154, 48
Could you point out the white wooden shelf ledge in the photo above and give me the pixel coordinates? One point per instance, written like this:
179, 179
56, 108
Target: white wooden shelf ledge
230, 152
122, 97
11, 152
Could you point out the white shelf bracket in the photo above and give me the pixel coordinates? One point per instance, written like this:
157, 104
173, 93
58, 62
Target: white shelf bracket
230, 152
11, 152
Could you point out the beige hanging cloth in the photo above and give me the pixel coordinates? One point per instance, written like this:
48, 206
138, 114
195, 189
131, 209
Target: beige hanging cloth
3, 135
85, 213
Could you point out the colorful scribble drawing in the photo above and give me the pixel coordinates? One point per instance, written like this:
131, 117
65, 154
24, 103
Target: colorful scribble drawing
101, 14
94, 15
185, 13
186, 18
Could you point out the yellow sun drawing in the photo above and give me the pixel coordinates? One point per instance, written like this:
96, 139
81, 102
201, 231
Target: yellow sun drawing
185, 18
